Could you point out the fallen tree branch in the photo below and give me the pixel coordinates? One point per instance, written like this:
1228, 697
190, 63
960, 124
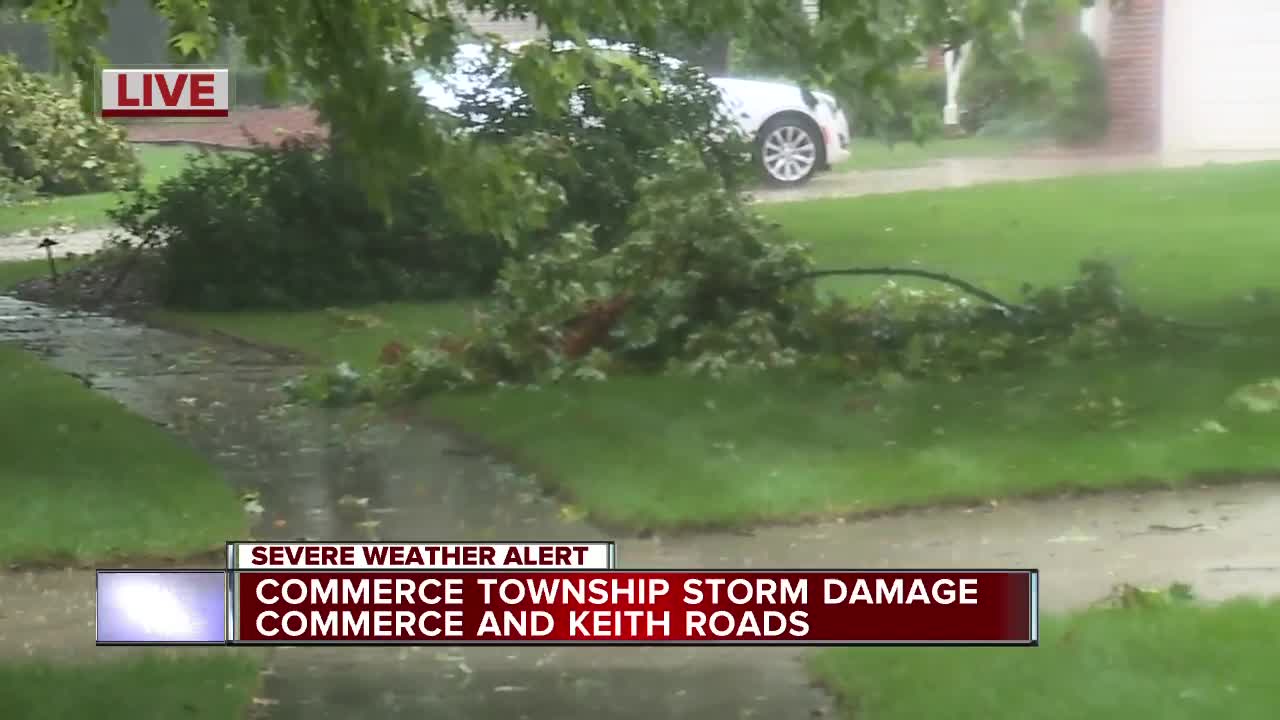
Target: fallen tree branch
912, 272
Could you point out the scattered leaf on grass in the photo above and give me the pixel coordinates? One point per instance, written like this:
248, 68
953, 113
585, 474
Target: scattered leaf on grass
1211, 426
570, 513
1259, 397
251, 502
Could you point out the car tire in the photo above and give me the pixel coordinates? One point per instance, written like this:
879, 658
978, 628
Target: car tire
789, 150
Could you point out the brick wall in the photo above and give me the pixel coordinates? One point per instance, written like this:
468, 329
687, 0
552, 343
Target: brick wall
1133, 73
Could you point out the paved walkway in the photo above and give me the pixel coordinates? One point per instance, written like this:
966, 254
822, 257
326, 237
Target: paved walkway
26, 246
1225, 541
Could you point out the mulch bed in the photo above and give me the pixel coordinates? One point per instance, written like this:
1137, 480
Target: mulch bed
114, 285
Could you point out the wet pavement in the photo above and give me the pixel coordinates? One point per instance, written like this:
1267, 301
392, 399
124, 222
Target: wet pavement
423, 484
969, 171
26, 246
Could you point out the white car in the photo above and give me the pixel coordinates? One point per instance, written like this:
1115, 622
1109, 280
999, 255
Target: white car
792, 139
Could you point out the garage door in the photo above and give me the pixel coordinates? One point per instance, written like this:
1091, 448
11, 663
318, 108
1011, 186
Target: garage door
1221, 75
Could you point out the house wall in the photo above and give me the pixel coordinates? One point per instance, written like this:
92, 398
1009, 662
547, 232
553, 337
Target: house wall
510, 30
1133, 60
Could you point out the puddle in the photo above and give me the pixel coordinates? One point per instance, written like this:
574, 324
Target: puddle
330, 475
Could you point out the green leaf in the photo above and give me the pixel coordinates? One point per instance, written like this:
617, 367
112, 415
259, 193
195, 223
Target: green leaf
190, 43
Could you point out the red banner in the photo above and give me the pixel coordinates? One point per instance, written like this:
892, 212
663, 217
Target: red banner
837, 607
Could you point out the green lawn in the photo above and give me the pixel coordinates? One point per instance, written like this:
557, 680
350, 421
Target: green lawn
666, 452
1191, 242
92, 482
352, 335
208, 686
872, 154
159, 162
1177, 663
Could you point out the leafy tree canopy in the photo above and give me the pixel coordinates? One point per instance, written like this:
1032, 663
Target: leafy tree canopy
356, 56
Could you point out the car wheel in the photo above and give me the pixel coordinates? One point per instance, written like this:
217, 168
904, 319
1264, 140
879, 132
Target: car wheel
789, 150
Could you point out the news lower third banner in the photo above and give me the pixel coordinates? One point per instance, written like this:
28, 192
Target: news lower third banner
549, 594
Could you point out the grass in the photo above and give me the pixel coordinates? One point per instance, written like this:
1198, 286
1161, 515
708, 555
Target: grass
685, 452
872, 154
1176, 663
352, 335
96, 482
159, 162
1190, 242
216, 687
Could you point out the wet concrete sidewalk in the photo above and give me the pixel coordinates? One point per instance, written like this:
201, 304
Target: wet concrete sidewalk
424, 485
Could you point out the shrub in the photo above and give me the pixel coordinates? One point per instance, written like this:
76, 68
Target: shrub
286, 227
1059, 88
997, 92
14, 190
911, 112
1080, 113
49, 143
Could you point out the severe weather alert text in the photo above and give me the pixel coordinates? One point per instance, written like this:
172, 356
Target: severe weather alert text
643, 607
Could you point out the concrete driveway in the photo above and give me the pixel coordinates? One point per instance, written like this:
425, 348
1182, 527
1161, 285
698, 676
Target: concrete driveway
969, 171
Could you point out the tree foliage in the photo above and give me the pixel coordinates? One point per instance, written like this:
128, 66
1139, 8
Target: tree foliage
356, 56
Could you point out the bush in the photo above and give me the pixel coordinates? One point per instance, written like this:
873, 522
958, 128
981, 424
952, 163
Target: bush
995, 93
49, 144
1057, 89
285, 227
1080, 113
911, 112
